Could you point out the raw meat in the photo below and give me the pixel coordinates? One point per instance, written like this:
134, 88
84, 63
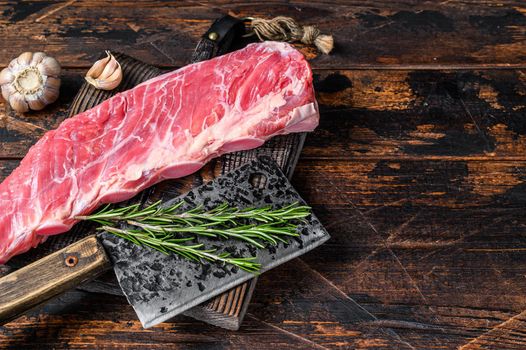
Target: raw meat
167, 127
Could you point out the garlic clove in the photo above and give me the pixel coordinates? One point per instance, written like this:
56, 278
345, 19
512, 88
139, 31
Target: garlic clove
18, 103
13, 65
50, 95
115, 78
37, 58
105, 74
6, 76
104, 84
110, 68
52, 83
7, 90
97, 68
24, 59
49, 66
36, 104
94, 82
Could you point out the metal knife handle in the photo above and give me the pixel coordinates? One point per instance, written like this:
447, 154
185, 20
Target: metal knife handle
46, 278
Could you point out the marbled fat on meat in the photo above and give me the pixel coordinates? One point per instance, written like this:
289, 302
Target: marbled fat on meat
167, 127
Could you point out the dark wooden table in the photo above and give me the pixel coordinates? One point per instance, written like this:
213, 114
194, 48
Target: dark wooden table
418, 170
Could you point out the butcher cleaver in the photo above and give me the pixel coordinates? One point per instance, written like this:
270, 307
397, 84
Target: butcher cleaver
160, 286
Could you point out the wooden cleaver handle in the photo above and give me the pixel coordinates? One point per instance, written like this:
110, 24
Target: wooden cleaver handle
48, 277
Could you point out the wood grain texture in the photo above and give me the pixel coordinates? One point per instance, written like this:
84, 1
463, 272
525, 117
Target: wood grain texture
417, 170
420, 114
57, 273
377, 33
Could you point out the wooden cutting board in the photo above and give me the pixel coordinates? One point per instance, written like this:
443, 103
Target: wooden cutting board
226, 310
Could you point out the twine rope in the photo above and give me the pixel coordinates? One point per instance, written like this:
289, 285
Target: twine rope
287, 29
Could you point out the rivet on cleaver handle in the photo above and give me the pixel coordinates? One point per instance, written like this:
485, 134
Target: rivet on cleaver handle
51, 276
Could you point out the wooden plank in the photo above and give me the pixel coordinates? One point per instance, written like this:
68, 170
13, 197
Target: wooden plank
6, 167
506, 335
368, 33
422, 114
371, 114
441, 183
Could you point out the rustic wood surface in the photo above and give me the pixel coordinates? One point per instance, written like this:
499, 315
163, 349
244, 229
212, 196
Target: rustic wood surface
418, 171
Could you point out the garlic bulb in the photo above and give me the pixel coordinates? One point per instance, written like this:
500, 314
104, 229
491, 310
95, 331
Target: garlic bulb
31, 81
105, 74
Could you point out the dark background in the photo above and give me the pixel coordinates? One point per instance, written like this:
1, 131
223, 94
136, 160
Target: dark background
417, 170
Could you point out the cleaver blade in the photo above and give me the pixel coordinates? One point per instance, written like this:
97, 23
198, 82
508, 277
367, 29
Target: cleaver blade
160, 286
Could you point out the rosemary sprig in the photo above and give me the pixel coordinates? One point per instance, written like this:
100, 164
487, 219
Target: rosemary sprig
222, 214
270, 232
166, 228
169, 243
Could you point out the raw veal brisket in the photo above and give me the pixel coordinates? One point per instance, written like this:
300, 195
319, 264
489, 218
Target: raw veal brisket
167, 127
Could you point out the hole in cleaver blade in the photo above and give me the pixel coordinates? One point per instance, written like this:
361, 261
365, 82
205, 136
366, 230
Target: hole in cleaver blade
160, 286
